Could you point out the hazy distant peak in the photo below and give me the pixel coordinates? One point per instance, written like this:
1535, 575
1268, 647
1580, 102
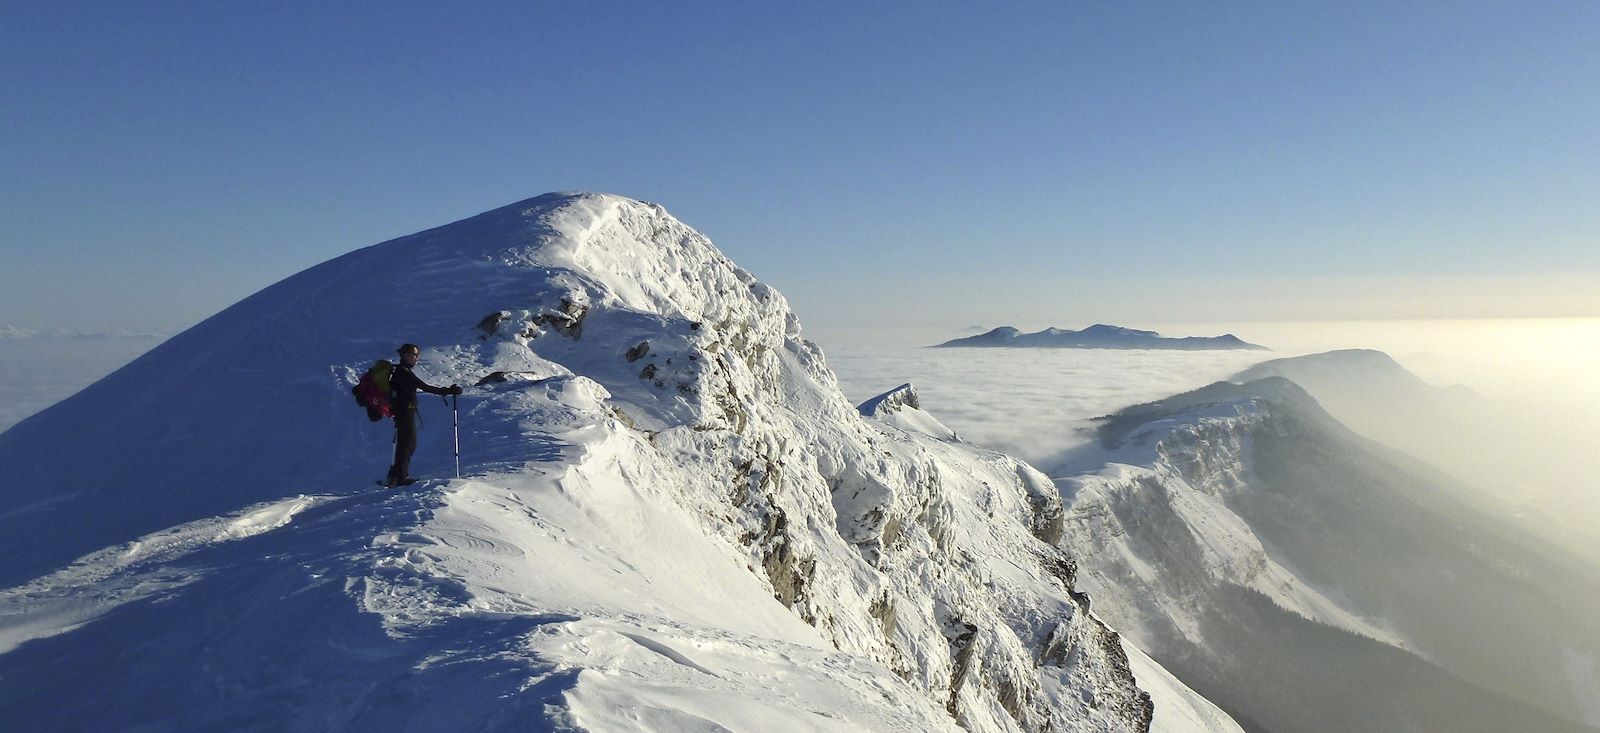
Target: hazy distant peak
1104, 329
1274, 388
1098, 336
1367, 367
1213, 400
1371, 358
10, 332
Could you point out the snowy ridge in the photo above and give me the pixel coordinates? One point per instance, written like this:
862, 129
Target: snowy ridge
1240, 534
673, 519
1192, 451
1367, 367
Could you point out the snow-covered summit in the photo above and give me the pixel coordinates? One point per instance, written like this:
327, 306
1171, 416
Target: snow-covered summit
1108, 330
669, 507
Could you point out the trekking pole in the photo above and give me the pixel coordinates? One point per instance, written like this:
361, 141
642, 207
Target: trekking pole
455, 428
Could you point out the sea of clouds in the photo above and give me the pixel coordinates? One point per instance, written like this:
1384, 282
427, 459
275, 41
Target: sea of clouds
1035, 404
1538, 377
38, 370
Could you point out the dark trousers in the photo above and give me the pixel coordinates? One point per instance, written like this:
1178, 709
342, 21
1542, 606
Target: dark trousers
405, 442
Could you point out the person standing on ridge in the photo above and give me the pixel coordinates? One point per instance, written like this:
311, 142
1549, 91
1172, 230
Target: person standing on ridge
403, 386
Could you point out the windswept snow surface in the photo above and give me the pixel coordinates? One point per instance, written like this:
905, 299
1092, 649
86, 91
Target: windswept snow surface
672, 519
116, 576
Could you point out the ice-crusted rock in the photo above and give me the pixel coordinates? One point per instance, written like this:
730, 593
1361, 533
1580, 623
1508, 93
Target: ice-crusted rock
670, 505
901, 408
901, 397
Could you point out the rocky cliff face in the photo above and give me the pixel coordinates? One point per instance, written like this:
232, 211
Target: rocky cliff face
883, 543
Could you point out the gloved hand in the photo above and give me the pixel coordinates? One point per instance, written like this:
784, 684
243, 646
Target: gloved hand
454, 389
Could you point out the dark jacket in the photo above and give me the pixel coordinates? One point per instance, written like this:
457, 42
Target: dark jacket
403, 386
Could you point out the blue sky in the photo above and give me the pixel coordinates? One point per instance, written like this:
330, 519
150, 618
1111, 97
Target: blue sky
919, 164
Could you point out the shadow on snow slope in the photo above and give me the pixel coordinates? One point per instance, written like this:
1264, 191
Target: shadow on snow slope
284, 644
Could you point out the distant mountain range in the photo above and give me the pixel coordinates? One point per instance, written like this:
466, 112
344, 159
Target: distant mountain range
1098, 336
17, 333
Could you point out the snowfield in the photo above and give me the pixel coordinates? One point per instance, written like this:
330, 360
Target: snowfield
671, 518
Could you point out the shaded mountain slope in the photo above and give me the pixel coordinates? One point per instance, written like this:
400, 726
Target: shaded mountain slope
1194, 509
